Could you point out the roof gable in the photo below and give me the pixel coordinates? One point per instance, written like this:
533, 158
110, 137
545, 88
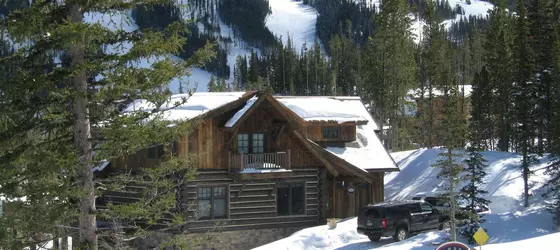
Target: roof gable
253, 104
196, 105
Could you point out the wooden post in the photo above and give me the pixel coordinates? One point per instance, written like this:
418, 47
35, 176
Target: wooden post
229, 162
334, 198
352, 200
289, 159
241, 161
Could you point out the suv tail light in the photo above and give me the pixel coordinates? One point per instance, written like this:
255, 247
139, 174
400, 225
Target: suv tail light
384, 222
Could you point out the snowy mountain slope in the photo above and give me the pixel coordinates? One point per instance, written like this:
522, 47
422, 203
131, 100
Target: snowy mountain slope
510, 226
287, 17
293, 18
475, 8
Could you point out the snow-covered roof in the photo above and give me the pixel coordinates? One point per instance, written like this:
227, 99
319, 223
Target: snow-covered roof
197, 104
241, 112
367, 152
325, 108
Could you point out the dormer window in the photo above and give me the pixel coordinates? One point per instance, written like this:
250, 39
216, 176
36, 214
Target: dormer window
331, 132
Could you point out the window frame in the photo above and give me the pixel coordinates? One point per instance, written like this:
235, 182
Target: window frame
250, 142
326, 131
290, 204
226, 198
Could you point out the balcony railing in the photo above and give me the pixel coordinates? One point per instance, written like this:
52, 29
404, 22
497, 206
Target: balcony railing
264, 161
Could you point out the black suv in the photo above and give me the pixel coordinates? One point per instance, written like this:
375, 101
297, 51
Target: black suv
399, 219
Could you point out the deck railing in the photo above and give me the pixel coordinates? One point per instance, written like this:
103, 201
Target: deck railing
263, 161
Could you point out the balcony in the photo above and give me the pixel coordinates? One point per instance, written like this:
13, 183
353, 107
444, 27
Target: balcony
260, 166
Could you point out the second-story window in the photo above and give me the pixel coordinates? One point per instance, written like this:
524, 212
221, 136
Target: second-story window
330, 132
243, 143
251, 143
257, 143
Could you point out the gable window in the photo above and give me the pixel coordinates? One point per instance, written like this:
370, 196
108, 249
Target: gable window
330, 132
257, 141
243, 143
155, 152
250, 143
290, 198
212, 202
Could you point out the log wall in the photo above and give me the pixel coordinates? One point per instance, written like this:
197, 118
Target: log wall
252, 204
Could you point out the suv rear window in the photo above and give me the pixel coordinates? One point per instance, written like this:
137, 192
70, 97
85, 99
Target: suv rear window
374, 212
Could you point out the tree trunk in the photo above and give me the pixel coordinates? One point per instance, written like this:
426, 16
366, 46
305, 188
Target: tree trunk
453, 234
525, 175
82, 133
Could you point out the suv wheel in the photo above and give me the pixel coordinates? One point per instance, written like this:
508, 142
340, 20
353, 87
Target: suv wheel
401, 234
445, 224
374, 238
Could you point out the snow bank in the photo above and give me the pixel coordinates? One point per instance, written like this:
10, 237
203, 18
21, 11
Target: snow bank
514, 227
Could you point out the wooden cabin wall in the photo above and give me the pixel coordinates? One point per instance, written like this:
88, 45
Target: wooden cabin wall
135, 161
343, 204
347, 133
252, 204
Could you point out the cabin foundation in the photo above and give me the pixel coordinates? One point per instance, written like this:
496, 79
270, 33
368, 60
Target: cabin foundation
229, 240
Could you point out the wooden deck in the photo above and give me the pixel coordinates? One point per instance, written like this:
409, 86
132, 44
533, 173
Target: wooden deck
265, 161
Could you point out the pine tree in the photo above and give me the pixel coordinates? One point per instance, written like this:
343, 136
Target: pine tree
498, 61
453, 123
48, 141
212, 85
390, 61
436, 65
475, 164
525, 94
553, 171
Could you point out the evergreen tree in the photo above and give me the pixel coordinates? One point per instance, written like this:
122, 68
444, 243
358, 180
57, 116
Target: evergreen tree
553, 171
55, 118
525, 94
453, 125
212, 85
475, 164
436, 66
498, 61
541, 33
389, 59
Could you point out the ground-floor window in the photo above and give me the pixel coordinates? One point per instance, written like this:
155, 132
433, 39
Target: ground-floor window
212, 202
290, 198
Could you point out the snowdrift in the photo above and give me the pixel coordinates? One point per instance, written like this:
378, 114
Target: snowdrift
510, 226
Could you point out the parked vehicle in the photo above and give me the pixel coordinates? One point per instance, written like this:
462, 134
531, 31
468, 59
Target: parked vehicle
441, 202
399, 219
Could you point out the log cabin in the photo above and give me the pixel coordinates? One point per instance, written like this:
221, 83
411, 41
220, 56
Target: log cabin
267, 161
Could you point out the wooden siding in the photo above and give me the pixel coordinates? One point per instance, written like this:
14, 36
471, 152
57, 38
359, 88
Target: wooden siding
252, 204
347, 133
343, 204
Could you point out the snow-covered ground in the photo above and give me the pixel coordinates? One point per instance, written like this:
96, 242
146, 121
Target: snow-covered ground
510, 226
